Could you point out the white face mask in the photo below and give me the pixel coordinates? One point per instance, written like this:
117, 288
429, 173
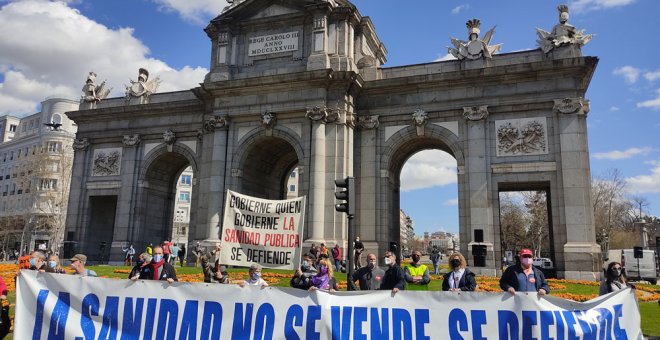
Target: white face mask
388, 261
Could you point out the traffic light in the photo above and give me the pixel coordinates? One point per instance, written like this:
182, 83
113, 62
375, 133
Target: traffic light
346, 196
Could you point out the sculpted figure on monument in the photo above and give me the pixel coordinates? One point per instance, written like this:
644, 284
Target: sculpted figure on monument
143, 87
268, 119
562, 34
474, 48
93, 93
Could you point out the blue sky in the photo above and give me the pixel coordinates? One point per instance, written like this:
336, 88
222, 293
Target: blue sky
47, 48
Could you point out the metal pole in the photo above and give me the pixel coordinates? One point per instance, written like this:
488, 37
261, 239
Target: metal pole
351, 251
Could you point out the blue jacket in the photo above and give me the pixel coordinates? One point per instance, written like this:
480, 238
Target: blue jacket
510, 279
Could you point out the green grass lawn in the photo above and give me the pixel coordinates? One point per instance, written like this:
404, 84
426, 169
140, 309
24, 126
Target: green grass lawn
650, 311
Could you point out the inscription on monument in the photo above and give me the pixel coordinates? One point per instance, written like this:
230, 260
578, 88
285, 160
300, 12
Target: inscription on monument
273, 43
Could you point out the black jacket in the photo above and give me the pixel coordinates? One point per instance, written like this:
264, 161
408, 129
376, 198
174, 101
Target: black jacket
168, 272
510, 278
394, 278
468, 282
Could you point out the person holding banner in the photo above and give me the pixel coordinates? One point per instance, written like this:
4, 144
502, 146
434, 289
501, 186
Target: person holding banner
614, 280
459, 278
141, 262
302, 278
159, 269
255, 277
325, 278
417, 274
53, 265
369, 277
524, 277
395, 278
78, 264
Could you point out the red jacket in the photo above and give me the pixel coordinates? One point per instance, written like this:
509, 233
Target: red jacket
336, 253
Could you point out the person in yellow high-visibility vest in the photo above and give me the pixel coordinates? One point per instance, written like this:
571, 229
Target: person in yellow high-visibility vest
417, 274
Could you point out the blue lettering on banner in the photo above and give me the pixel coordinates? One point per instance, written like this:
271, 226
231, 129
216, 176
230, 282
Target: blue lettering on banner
212, 321
380, 330
341, 322
39, 314
619, 334
359, 317
168, 314
90, 307
110, 318
59, 316
313, 315
528, 323
294, 317
189, 321
560, 325
401, 324
132, 320
457, 323
265, 322
421, 318
151, 318
589, 330
242, 325
478, 320
507, 324
547, 319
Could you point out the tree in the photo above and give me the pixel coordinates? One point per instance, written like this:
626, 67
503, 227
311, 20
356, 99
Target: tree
46, 179
610, 206
513, 220
538, 228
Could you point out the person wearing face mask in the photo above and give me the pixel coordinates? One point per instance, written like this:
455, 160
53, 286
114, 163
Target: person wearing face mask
614, 280
78, 264
369, 277
394, 278
417, 274
255, 278
524, 277
325, 278
53, 265
302, 278
141, 262
158, 269
459, 278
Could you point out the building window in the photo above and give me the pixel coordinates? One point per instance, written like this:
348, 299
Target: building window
12, 128
54, 146
185, 179
48, 184
293, 174
292, 188
184, 196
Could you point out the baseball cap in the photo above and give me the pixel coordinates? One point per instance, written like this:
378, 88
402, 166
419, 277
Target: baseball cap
526, 251
79, 257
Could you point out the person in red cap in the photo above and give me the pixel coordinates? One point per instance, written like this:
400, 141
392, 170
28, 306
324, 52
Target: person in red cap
524, 277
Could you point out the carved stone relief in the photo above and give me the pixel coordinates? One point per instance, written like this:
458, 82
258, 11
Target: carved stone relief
131, 140
216, 122
80, 144
420, 117
475, 113
571, 105
368, 122
317, 113
106, 162
521, 137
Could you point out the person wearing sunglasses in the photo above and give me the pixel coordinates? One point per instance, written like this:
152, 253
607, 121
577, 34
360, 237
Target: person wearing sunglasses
615, 279
395, 278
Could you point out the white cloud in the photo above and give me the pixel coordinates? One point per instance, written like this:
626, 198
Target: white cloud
652, 103
197, 11
446, 57
452, 202
48, 48
461, 8
614, 108
652, 76
617, 155
428, 169
645, 183
629, 73
591, 5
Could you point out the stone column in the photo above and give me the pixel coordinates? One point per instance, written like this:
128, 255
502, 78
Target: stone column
125, 231
77, 196
581, 252
369, 182
476, 170
215, 189
317, 188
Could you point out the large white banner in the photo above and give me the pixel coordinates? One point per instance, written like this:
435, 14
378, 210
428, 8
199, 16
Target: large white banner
55, 306
266, 232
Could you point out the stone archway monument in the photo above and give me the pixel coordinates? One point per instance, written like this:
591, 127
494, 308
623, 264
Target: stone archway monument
300, 85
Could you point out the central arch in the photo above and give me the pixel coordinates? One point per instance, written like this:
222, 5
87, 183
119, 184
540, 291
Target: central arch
399, 148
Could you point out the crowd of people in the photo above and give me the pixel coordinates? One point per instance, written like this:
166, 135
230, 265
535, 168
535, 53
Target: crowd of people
316, 272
